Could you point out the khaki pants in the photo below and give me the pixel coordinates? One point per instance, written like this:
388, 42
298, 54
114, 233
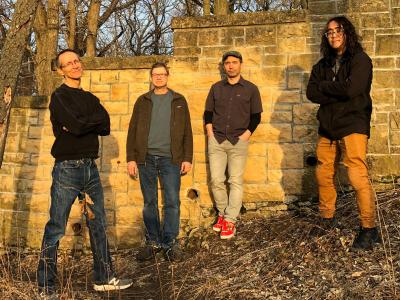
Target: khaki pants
354, 151
234, 157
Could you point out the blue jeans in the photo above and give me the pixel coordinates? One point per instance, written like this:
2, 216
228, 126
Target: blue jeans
170, 179
70, 178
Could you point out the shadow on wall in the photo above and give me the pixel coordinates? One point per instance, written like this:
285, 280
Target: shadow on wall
289, 130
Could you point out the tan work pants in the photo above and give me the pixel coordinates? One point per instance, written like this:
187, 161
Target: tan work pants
354, 151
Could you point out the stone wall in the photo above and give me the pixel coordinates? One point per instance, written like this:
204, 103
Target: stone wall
279, 49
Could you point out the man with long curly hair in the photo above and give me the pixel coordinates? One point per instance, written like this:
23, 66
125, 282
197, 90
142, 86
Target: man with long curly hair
341, 82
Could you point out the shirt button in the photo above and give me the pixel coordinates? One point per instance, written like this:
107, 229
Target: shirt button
227, 126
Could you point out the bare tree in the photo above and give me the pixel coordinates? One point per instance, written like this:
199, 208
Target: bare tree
11, 57
46, 27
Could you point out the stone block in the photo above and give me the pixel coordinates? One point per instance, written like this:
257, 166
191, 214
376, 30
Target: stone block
208, 37
29, 146
382, 96
277, 117
257, 149
255, 171
274, 60
264, 192
305, 114
292, 45
100, 88
35, 132
305, 133
128, 236
293, 181
394, 120
295, 80
383, 62
396, 16
286, 96
215, 51
293, 30
285, 156
186, 38
387, 44
302, 62
187, 51
128, 215
267, 133
199, 143
384, 164
119, 92
228, 35
379, 141
116, 107
395, 138
261, 35
108, 76
327, 7
370, 5
380, 118
375, 20
275, 76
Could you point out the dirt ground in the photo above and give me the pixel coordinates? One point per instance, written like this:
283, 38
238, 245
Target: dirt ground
270, 258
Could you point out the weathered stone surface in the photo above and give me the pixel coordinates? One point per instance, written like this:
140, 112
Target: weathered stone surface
387, 44
256, 18
305, 114
208, 37
265, 35
379, 140
285, 156
186, 38
305, 133
255, 171
229, 35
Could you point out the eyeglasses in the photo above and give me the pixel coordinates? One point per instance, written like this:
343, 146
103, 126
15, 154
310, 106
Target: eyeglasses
159, 75
339, 31
71, 63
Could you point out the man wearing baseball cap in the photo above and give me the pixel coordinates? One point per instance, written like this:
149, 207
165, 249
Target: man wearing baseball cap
233, 112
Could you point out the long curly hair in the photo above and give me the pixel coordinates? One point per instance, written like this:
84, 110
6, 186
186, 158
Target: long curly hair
351, 39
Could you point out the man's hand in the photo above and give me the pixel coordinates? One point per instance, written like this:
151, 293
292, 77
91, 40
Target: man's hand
185, 167
132, 169
210, 132
245, 135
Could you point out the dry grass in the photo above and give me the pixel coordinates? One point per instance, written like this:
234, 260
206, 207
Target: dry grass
271, 258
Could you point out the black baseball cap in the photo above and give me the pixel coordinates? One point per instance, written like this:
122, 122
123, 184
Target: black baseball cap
232, 53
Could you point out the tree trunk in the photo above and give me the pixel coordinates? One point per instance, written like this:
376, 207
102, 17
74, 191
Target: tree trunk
71, 24
11, 58
92, 20
46, 32
221, 7
206, 7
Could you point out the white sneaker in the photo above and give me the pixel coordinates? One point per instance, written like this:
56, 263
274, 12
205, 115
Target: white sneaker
113, 284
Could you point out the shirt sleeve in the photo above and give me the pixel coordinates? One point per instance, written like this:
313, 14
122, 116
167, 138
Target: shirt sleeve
255, 119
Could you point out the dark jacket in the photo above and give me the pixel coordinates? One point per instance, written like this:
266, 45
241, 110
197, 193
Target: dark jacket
345, 104
81, 113
139, 127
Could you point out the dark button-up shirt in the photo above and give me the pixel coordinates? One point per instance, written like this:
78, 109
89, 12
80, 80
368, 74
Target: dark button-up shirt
232, 106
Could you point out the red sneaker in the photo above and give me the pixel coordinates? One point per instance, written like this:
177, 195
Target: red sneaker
228, 230
218, 225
